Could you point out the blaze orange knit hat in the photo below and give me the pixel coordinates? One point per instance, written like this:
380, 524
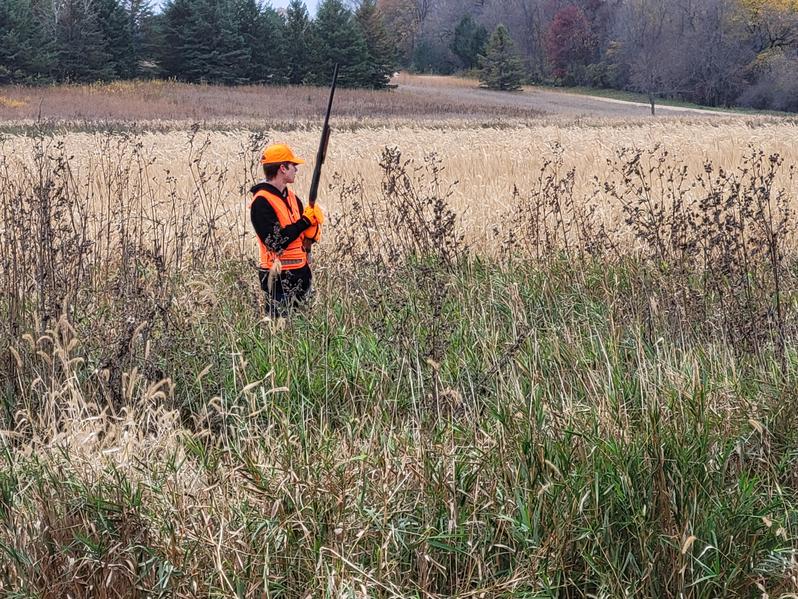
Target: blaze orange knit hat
277, 153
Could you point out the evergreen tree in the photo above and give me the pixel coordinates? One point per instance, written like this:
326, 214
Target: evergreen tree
263, 33
228, 58
275, 56
82, 50
26, 53
143, 27
336, 37
296, 32
468, 41
113, 22
203, 43
187, 49
382, 50
500, 67
430, 56
175, 43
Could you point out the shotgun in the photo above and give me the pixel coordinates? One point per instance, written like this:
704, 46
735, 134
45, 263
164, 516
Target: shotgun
325, 137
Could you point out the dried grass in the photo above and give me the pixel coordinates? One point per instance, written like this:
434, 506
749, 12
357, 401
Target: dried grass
488, 163
264, 105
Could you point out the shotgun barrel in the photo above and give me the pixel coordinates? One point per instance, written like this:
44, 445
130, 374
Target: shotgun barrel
325, 137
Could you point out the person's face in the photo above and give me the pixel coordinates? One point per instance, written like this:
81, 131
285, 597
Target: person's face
289, 172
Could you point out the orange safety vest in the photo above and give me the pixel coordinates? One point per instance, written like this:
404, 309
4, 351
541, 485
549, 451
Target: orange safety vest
294, 256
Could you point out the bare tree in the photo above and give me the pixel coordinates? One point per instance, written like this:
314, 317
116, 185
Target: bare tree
401, 20
649, 46
716, 53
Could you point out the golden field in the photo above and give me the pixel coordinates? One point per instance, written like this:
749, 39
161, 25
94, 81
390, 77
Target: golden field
484, 163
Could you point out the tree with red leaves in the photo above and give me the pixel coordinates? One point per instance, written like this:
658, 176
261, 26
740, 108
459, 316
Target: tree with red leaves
569, 41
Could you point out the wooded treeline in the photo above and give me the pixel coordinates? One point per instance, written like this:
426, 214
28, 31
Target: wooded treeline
713, 52
214, 41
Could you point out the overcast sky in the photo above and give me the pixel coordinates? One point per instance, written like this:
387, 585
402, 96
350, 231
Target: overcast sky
311, 4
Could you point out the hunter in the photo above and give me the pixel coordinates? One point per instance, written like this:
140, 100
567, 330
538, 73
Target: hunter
285, 231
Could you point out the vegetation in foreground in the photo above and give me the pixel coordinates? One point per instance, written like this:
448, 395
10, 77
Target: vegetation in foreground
564, 416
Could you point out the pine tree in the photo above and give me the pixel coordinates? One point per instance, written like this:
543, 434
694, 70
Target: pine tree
26, 53
468, 41
275, 57
263, 33
143, 26
381, 49
336, 37
297, 31
500, 67
202, 42
231, 56
82, 50
114, 25
176, 43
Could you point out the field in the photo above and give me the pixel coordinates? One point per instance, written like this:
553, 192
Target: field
548, 354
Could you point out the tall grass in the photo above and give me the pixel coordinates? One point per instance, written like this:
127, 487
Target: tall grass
565, 405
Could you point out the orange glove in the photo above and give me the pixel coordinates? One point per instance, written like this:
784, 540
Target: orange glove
313, 234
314, 215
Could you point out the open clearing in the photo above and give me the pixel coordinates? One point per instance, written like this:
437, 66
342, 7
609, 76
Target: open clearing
418, 97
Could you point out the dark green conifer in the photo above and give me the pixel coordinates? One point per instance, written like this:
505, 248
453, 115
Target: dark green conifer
382, 50
468, 41
114, 25
500, 67
336, 37
143, 26
175, 44
296, 34
263, 33
26, 53
203, 42
229, 57
82, 50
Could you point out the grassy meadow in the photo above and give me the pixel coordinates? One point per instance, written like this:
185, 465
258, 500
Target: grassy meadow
545, 357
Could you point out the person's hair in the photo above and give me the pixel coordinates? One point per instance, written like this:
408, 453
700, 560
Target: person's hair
271, 170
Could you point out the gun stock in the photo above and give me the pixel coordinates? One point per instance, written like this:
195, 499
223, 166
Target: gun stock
325, 138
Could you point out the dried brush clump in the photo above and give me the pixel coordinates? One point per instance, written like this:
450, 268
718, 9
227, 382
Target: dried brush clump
732, 229
716, 247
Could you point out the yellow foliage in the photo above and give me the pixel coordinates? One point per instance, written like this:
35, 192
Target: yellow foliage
112, 87
757, 6
11, 102
122, 87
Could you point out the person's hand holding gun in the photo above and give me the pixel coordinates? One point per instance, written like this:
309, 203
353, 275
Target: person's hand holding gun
315, 216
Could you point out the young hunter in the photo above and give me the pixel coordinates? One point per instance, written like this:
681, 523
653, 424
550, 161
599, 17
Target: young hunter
285, 231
